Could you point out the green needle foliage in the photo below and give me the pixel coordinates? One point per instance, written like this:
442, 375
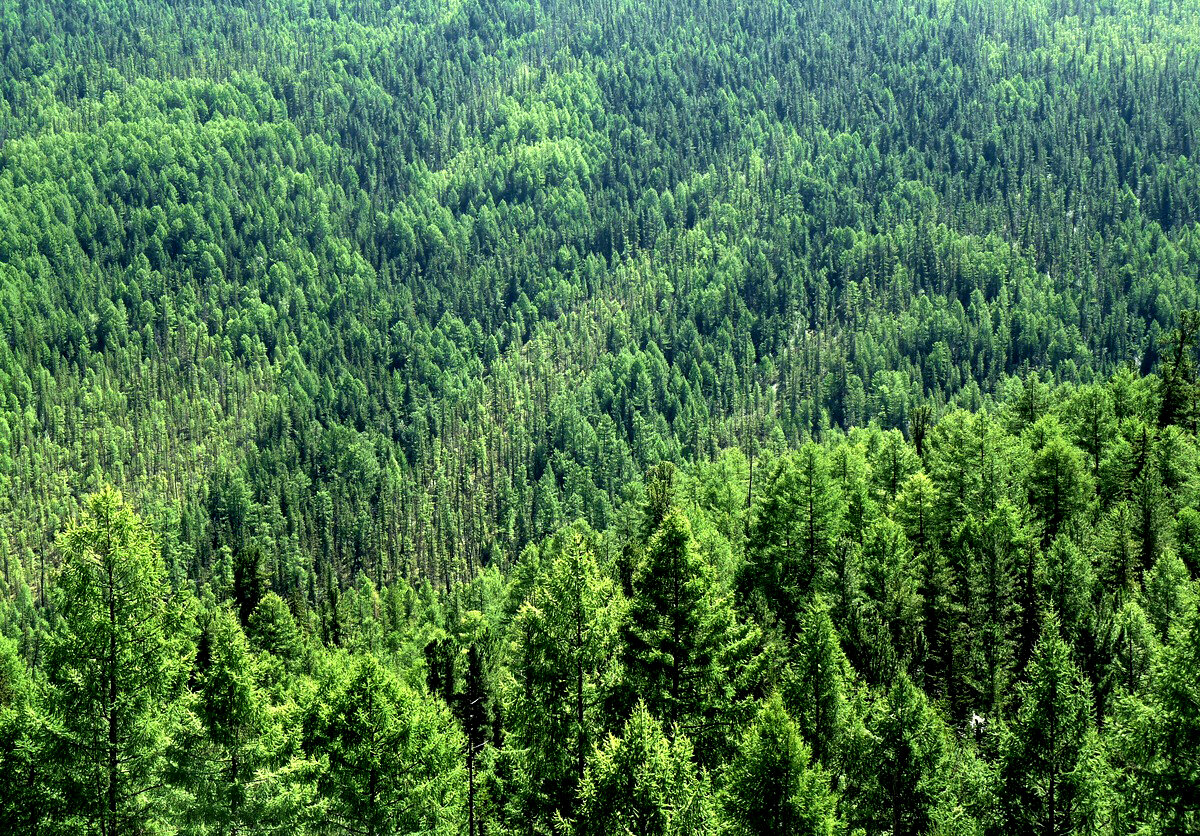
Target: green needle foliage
113, 671
499, 417
771, 786
1051, 766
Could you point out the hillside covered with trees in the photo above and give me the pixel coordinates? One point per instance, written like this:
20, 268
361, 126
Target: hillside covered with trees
589, 416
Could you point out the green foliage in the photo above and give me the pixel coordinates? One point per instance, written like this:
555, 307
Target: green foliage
20, 793
669, 646
564, 648
642, 782
770, 787
389, 757
1052, 767
513, 392
1159, 737
236, 768
818, 686
114, 670
789, 550
903, 765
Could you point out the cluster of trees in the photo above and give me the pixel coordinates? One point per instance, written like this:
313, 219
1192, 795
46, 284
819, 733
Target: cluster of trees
994, 631
400, 289
499, 416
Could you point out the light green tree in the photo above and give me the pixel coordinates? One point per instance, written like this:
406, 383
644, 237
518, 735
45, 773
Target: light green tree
114, 671
771, 787
643, 783
563, 649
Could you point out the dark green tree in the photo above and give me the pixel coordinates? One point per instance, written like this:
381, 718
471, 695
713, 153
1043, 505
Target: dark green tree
791, 542
900, 773
818, 686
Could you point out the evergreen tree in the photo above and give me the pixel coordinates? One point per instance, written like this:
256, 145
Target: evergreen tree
472, 709
1058, 486
22, 792
901, 770
235, 765
1068, 587
1179, 374
891, 586
915, 508
272, 629
791, 541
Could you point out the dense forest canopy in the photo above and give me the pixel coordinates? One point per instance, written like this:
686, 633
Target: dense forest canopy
593, 416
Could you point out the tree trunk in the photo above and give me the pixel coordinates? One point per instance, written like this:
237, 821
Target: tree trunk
113, 777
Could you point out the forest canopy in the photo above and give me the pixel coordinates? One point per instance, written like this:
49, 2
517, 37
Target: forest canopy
589, 416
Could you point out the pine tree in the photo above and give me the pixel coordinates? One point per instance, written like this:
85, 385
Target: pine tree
1067, 583
915, 509
227, 769
942, 617
22, 793
891, 587
900, 772
996, 546
1178, 374
791, 542
1130, 648
472, 708
1119, 558
272, 629
892, 465
1058, 486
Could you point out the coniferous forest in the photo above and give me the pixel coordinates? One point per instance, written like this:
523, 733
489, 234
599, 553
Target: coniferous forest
599, 417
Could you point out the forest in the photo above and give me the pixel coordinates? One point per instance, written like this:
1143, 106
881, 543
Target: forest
598, 417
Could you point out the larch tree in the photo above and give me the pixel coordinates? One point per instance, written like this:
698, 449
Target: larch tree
771, 786
390, 758
643, 783
1158, 738
1052, 768
669, 647
564, 645
114, 670
817, 686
